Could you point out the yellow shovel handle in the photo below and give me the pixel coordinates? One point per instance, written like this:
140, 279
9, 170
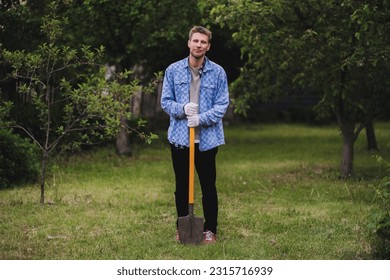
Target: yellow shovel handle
192, 166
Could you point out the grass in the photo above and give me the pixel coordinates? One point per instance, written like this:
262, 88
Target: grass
279, 192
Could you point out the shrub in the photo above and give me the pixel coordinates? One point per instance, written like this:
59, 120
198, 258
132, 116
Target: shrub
19, 160
380, 219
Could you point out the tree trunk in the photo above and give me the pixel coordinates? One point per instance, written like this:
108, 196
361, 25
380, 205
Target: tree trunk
43, 177
49, 102
136, 107
122, 140
371, 138
346, 168
347, 159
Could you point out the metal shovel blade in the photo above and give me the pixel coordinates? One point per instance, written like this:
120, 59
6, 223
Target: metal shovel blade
190, 230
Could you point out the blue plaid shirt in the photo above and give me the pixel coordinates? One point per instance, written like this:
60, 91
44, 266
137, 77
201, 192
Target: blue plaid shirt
213, 103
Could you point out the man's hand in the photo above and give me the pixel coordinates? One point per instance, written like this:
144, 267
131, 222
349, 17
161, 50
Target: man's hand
193, 121
191, 109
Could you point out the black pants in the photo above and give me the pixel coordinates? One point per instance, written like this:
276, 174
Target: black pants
206, 170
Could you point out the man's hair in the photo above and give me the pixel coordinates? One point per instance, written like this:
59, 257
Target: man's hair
200, 29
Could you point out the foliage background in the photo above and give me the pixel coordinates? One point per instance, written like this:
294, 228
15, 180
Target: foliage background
283, 59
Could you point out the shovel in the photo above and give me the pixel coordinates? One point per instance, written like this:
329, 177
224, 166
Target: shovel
191, 227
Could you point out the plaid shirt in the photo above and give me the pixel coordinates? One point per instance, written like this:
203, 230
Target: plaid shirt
213, 103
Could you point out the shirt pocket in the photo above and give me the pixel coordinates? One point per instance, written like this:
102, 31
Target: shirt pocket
208, 94
182, 91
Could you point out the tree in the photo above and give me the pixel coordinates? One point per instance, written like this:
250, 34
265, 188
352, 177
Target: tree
20, 23
337, 49
73, 102
137, 34
134, 32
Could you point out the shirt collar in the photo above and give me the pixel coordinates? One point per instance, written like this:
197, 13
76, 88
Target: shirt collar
206, 62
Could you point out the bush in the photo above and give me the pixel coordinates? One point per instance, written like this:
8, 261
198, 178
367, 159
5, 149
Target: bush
19, 160
380, 220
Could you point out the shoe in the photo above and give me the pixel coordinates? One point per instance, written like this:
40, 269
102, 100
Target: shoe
177, 238
209, 237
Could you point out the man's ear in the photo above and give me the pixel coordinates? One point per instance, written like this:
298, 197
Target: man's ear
208, 48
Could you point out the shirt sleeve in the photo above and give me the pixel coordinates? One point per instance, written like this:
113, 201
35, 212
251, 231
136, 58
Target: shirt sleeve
220, 104
168, 99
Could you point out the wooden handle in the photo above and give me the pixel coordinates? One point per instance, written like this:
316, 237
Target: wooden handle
192, 166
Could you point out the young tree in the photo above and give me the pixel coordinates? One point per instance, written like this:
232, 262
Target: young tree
74, 104
337, 49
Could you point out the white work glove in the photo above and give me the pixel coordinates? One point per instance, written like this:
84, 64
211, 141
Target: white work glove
191, 108
193, 121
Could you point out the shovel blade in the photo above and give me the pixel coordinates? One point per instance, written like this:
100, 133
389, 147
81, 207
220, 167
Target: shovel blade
190, 230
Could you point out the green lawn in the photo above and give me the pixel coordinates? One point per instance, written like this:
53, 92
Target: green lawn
279, 191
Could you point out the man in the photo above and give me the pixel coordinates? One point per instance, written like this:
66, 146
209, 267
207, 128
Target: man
195, 94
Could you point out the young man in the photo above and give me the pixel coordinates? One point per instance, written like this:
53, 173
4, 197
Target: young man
195, 94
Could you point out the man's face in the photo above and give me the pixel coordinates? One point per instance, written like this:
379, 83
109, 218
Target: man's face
198, 45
